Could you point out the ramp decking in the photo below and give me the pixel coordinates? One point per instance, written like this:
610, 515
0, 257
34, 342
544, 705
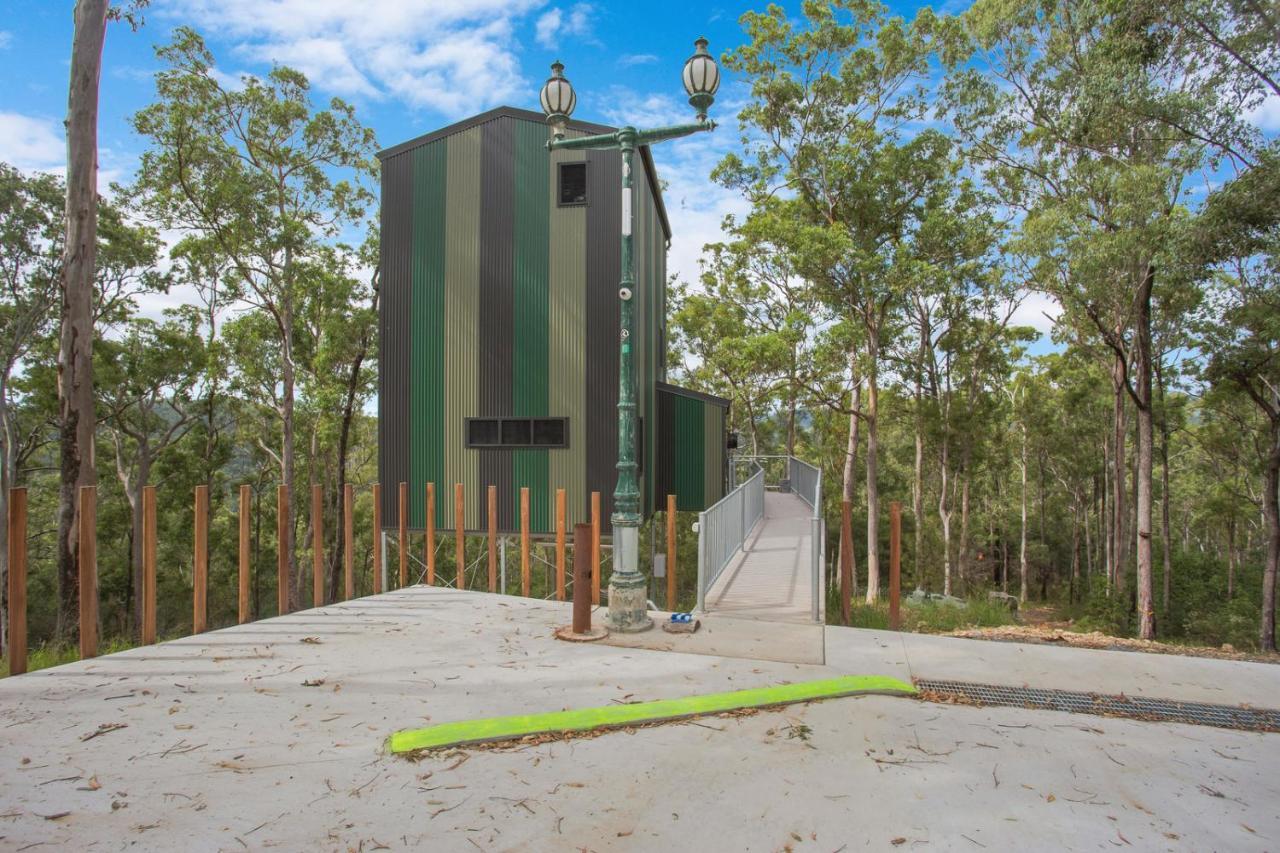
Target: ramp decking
770, 579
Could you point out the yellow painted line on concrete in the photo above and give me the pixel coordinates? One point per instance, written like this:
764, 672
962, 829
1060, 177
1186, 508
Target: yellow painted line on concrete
610, 716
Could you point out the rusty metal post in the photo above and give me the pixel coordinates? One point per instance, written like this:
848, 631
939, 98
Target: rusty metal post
429, 544
895, 564
88, 571
581, 579
560, 519
460, 536
671, 552
526, 577
403, 519
846, 560
17, 639
595, 548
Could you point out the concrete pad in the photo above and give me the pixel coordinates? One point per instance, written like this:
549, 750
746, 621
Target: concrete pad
724, 636
226, 748
1223, 682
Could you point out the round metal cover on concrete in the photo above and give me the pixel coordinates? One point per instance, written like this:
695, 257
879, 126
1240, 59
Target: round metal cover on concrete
595, 632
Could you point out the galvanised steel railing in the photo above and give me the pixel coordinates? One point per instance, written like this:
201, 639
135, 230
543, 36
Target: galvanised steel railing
724, 527
806, 483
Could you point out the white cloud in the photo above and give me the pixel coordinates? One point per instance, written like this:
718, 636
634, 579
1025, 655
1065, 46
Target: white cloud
453, 56
1266, 115
31, 144
6, 39
555, 24
1038, 310
629, 59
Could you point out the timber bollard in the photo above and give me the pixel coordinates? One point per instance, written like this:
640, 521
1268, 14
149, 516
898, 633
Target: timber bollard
895, 565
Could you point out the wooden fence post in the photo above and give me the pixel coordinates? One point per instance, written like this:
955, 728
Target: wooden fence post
282, 552
560, 519
895, 564
200, 566
17, 639
671, 552
348, 541
88, 572
595, 548
377, 538
404, 535
526, 577
317, 545
430, 543
493, 539
246, 500
846, 561
460, 536
148, 565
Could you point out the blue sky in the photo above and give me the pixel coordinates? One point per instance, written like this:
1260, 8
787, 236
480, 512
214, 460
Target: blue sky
408, 67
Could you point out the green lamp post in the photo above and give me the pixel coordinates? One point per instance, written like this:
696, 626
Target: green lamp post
628, 601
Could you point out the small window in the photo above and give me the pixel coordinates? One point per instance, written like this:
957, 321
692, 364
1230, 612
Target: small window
548, 432
573, 183
515, 432
496, 433
482, 432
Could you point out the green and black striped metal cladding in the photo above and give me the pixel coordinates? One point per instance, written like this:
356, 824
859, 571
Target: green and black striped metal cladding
692, 459
498, 301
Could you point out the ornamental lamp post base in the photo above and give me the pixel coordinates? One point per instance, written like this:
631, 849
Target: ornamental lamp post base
628, 589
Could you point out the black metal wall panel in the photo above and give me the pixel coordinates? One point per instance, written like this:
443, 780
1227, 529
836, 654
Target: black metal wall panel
604, 260
497, 212
394, 302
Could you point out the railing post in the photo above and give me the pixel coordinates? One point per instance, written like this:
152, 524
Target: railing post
702, 562
17, 553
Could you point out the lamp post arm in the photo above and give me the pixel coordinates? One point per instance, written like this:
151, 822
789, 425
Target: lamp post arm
600, 140
661, 134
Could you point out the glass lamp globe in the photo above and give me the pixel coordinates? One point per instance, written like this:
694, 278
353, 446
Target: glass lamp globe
558, 99
701, 78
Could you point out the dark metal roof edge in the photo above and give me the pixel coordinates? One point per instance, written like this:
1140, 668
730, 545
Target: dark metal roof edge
646, 156
697, 395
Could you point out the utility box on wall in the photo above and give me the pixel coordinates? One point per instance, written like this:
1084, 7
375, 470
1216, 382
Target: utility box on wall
500, 321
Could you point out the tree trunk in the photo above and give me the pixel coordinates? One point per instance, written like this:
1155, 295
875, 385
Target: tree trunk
1165, 535
873, 452
1146, 441
288, 380
917, 482
944, 507
850, 468
1231, 557
1075, 550
1119, 503
1022, 559
75, 352
1271, 513
962, 550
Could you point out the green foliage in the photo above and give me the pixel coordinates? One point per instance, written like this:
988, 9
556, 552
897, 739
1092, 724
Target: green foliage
929, 617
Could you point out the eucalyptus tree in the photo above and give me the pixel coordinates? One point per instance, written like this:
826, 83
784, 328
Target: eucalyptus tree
836, 98
1073, 105
257, 178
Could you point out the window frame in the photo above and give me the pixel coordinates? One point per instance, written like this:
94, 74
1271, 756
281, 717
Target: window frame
466, 433
586, 184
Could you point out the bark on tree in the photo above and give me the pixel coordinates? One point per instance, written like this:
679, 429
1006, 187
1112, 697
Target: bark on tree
75, 352
873, 451
850, 467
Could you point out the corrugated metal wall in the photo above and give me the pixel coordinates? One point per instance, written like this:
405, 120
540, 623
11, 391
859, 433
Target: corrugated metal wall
497, 301
691, 449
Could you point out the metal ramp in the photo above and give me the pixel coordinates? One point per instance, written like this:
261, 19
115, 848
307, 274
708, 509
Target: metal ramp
760, 549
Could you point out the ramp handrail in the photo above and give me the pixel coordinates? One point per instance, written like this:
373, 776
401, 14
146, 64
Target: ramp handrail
723, 529
806, 483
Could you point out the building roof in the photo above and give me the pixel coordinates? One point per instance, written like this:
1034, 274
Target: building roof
646, 156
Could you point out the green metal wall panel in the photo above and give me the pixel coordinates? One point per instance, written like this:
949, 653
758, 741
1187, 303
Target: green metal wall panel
689, 460
530, 346
713, 451
461, 312
567, 332
426, 436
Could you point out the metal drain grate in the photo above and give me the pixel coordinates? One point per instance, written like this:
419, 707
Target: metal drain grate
1135, 707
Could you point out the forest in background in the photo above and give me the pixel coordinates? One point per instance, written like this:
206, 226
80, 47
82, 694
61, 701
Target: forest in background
911, 183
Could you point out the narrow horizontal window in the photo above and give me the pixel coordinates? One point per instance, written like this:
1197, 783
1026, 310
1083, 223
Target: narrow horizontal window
494, 433
573, 183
